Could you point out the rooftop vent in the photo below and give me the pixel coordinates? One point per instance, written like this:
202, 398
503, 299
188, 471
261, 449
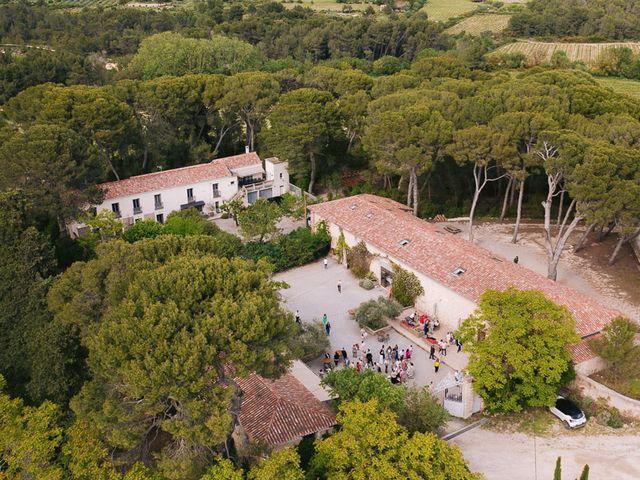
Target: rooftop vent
404, 242
353, 207
369, 215
496, 259
459, 271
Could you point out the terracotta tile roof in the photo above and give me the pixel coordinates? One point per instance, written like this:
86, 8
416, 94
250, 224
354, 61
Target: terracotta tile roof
436, 253
279, 411
218, 168
581, 352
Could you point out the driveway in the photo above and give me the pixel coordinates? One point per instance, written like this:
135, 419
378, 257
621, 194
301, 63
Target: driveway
313, 291
508, 456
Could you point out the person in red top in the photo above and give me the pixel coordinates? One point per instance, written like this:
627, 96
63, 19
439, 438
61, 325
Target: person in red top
423, 318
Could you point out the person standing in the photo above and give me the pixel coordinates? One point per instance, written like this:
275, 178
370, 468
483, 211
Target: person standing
432, 352
345, 357
324, 319
445, 345
327, 327
458, 344
298, 317
326, 263
336, 357
436, 364
381, 357
516, 260
339, 286
354, 350
369, 358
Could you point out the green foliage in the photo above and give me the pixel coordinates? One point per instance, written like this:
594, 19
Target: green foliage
170, 53
341, 249
189, 222
292, 206
163, 346
423, 412
347, 384
405, 287
291, 250
142, 229
375, 313
310, 342
29, 439
347, 454
557, 472
284, 464
617, 346
367, 284
517, 340
585, 473
233, 208
359, 260
260, 220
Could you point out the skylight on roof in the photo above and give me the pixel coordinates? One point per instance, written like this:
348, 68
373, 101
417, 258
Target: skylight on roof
459, 271
369, 215
404, 242
353, 206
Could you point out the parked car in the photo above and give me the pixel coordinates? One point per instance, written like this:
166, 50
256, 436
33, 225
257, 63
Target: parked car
569, 413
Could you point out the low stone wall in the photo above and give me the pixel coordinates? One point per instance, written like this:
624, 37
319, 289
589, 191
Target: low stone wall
591, 388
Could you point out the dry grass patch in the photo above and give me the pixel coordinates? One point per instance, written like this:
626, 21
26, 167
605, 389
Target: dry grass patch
442, 10
481, 23
541, 52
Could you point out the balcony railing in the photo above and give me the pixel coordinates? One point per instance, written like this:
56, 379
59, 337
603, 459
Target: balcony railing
137, 210
117, 214
249, 181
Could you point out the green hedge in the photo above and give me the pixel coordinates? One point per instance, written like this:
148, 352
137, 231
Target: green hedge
292, 250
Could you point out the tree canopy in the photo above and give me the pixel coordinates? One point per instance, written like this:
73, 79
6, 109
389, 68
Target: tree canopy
517, 340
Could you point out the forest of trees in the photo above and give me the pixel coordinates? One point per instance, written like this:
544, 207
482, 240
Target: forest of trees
111, 349
594, 19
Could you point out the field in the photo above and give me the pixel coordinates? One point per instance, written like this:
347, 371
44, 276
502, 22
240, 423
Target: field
328, 5
442, 10
480, 23
540, 52
621, 85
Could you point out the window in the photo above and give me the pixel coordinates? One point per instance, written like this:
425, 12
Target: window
216, 206
459, 271
216, 192
157, 200
115, 208
404, 243
280, 174
190, 195
136, 206
160, 218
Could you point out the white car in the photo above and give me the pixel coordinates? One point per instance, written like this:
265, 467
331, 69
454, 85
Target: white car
569, 413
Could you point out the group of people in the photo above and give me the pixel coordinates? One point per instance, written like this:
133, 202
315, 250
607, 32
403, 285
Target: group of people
394, 362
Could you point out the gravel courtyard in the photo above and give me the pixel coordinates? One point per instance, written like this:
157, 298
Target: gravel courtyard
313, 291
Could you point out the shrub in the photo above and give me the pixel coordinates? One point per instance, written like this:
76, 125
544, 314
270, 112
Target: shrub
310, 342
375, 313
142, 229
189, 222
615, 420
423, 411
617, 347
366, 283
359, 260
292, 250
405, 287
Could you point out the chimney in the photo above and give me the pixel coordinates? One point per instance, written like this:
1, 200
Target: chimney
246, 149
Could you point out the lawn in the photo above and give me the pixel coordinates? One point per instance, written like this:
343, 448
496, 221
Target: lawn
442, 10
622, 85
540, 52
481, 23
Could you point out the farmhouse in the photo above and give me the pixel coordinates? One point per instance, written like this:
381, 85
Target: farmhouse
453, 271
205, 187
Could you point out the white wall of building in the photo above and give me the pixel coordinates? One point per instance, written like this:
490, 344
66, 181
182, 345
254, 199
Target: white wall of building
449, 306
277, 171
172, 198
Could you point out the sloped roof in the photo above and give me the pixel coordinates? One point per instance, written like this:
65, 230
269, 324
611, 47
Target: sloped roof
436, 253
279, 411
221, 167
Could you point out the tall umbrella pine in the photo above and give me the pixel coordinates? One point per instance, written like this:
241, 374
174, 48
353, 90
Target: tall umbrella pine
301, 127
407, 141
483, 148
521, 131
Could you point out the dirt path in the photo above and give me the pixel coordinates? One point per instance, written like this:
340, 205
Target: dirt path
512, 456
617, 286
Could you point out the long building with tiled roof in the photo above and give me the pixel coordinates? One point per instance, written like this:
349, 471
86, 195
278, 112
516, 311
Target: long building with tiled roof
206, 187
456, 271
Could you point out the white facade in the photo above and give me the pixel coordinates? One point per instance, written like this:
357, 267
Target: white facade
438, 300
248, 182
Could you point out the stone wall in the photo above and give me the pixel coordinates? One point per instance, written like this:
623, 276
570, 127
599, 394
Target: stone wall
591, 388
